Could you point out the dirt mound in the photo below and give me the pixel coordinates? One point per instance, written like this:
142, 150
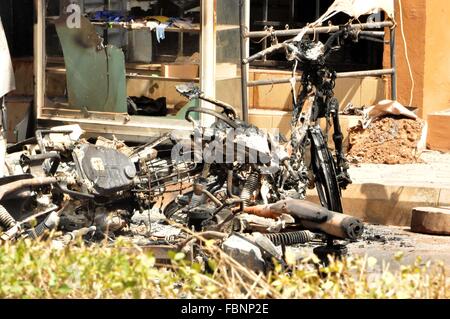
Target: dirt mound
386, 141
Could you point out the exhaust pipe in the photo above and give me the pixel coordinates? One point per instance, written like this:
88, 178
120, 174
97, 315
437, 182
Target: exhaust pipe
17, 185
312, 217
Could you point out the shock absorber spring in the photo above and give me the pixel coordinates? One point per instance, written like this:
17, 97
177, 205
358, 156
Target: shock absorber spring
6, 220
290, 238
250, 186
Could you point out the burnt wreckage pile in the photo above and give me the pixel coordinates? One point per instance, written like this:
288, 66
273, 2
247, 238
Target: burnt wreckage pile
231, 181
59, 181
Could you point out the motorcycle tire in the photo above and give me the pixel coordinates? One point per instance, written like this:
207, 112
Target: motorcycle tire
324, 169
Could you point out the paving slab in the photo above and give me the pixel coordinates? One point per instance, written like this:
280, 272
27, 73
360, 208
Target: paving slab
387, 194
386, 243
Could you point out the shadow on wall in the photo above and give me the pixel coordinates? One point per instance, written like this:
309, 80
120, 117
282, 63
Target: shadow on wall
383, 207
389, 204
348, 91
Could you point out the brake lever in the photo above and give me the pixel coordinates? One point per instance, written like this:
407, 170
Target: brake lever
191, 91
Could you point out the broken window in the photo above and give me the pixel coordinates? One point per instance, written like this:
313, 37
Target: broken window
128, 57
121, 49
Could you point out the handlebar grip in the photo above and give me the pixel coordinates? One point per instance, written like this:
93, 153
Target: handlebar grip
227, 108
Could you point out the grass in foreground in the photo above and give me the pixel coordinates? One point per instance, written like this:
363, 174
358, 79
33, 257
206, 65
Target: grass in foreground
33, 270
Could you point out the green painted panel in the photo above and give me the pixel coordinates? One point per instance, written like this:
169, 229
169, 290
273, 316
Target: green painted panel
181, 114
95, 74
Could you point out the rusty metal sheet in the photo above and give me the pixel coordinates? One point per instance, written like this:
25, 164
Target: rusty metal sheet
95, 73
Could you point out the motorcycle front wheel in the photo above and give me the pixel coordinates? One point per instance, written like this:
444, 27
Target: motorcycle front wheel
324, 169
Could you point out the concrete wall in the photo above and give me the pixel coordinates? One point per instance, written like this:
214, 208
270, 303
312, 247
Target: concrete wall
414, 20
428, 43
437, 57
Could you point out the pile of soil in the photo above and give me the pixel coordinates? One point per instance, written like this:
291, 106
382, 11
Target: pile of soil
386, 141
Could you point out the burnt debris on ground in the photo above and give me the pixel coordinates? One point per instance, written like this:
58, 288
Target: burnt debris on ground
104, 189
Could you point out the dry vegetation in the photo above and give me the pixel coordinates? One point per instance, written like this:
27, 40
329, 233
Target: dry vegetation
33, 270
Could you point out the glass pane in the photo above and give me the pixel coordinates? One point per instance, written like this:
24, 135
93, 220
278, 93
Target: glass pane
228, 78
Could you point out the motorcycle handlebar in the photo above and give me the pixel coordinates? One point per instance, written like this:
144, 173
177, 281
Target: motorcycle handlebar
265, 52
292, 47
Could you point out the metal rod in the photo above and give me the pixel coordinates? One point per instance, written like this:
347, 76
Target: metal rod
244, 54
208, 56
17, 185
271, 81
266, 10
292, 11
317, 9
106, 7
394, 67
265, 17
372, 39
212, 197
365, 73
380, 34
294, 32
339, 75
181, 35
39, 57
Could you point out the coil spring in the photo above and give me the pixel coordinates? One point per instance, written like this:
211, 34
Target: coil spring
38, 231
250, 186
290, 238
6, 220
